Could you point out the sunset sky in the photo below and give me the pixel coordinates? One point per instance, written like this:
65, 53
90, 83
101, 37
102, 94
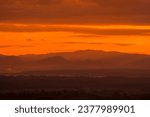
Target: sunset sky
45, 26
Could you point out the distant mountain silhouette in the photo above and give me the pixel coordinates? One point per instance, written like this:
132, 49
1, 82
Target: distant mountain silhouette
88, 59
53, 60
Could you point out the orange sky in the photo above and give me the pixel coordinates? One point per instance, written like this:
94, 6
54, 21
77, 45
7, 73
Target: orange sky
74, 38
44, 26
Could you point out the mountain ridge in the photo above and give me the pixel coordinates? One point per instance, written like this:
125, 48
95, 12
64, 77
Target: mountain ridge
88, 50
87, 59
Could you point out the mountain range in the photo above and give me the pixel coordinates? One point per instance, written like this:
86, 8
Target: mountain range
78, 60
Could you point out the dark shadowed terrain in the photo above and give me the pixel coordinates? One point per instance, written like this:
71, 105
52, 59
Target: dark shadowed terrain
76, 84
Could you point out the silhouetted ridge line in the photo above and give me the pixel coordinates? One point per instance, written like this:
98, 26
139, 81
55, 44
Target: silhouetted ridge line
78, 60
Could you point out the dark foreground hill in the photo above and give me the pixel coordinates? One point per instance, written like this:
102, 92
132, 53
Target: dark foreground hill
70, 87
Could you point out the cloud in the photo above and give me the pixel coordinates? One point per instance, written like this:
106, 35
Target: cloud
83, 30
5, 46
24, 46
91, 43
76, 11
123, 44
14, 46
29, 40
86, 35
98, 43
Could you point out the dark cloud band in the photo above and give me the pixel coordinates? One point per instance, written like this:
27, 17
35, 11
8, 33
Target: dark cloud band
76, 11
